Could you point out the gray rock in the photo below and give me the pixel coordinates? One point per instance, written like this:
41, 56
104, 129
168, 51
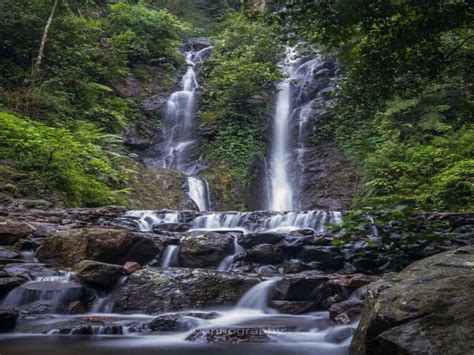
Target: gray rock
205, 249
11, 231
427, 308
98, 274
172, 323
265, 253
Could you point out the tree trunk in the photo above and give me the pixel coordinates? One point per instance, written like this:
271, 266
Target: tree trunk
45, 34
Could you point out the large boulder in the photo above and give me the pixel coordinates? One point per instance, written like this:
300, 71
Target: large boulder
265, 253
11, 231
8, 319
205, 250
155, 290
252, 239
114, 246
99, 274
427, 308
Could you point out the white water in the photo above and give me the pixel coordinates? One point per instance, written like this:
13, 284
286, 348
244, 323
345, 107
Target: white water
170, 255
146, 220
179, 132
226, 263
257, 297
281, 191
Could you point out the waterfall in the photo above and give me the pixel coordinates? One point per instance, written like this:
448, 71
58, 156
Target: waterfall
179, 132
227, 262
281, 191
257, 297
199, 193
170, 256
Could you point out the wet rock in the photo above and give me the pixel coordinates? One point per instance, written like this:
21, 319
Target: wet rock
11, 231
345, 312
131, 266
311, 287
172, 323
265, 253
98, 274
76, 307
155, 290
205, 249
252, 239
229, 336
172, 227
9, 283
293, 307
267, 270
328, 258
8, 318
7, 253
338, 335
352, 281
426, 308
294, 243
115, 246
295, 266
28, 270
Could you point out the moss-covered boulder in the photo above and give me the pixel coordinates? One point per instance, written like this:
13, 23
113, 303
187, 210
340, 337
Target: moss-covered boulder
427, 308
114, 246
97, 274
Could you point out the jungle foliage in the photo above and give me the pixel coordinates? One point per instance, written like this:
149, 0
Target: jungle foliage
405, 99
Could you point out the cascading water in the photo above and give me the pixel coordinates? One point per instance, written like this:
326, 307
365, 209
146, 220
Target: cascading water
281, 191
179, 132
257, 297
170, 255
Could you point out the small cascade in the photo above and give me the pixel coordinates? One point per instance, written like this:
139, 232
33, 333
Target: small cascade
146, 220
245, 222
257, 297
180, 139
227, 262
54, 293
105, 304
199, 193
170, 256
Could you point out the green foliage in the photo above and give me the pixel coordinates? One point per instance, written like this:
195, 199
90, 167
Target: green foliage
240, 79
405, 100
76, 163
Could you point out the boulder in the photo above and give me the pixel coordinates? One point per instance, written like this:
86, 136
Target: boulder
265, 253
8, 318
155, 290
172, 323
252, 239
98, 274
328, 258
292, 307
427, 308
76, 307
338, 335
229, 336
11, 231
114, 246
7, 254
205, 249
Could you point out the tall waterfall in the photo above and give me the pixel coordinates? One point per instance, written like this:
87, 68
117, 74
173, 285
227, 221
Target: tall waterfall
281, 191
300, 96
179, 134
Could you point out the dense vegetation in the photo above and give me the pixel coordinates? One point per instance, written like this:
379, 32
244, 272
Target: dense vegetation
75, 90
241, 77
405, 99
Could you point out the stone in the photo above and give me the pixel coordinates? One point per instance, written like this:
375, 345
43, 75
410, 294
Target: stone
131, 266
156, 290
252, 239
294, 266
98, 274
265, 253
8, 318
11, 231
229, 336
114, 246
345, 312
293, 307
427, 308
328, 258
205, 249
76, 307
172, 323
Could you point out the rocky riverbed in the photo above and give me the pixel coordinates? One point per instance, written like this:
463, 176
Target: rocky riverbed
193, 282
